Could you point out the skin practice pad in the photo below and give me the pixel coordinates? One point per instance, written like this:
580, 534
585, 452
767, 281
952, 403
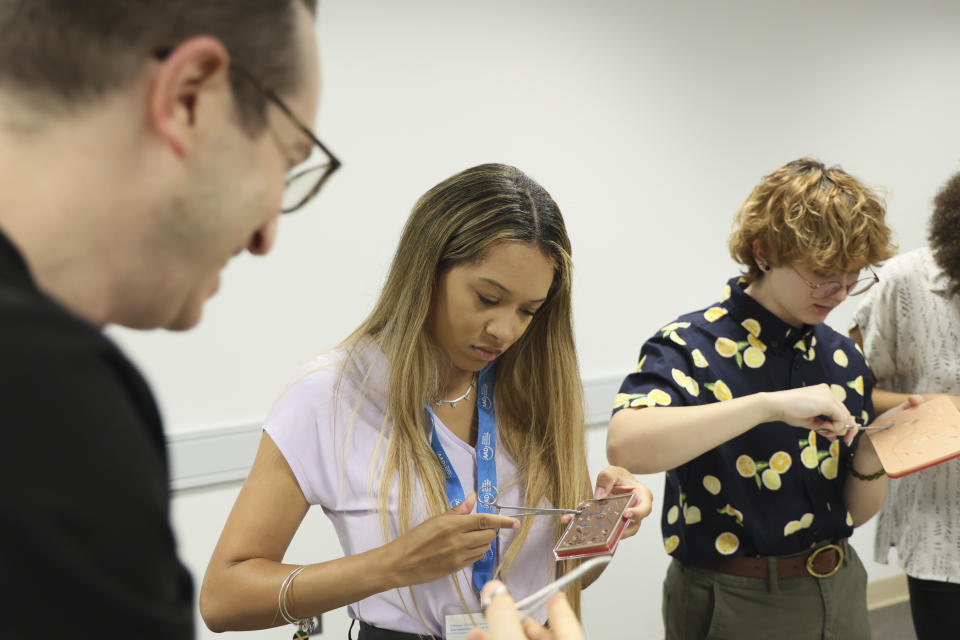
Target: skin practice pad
920, 437
597, 528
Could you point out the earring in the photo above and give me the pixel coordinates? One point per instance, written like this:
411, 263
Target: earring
763, 267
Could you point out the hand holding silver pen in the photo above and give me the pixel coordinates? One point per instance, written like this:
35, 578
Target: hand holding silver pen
506, 622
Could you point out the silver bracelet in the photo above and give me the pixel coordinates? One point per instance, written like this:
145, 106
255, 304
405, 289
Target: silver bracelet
282, 599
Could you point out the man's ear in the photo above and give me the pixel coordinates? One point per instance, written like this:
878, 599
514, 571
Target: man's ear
197, 70
759, 253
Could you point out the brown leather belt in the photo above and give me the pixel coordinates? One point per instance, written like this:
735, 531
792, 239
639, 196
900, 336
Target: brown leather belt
822, 562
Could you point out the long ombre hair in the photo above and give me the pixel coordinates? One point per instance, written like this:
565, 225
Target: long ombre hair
537, 393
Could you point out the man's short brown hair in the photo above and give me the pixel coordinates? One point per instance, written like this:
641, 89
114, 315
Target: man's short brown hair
820, 219
67, 53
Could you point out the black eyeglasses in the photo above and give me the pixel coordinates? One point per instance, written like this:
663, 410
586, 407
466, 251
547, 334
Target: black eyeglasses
827, 289
304, 181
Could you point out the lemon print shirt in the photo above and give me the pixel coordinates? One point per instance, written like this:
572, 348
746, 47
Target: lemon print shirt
775, 489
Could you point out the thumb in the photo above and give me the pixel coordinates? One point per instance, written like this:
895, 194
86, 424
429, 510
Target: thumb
605, 483
915, 400
467, 505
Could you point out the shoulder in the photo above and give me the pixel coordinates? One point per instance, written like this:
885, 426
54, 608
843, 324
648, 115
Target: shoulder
345, 370
840, 349
906, 267
53, 359
352, 379
700, 321
904, 291
312, 392
31, 321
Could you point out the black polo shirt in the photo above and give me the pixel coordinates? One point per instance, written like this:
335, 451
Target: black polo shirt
86, 548
775, 489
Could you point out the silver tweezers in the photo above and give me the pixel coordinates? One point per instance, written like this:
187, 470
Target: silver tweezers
523, 512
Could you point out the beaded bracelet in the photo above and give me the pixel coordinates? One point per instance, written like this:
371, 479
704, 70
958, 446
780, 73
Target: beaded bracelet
863, 476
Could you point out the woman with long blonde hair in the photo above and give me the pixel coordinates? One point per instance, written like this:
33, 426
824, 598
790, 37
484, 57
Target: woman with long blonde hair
463, 380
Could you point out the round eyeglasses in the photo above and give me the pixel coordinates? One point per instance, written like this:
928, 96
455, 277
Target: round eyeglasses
823, 290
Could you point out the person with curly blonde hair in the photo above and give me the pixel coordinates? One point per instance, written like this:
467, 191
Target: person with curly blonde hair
909, 327
752, 406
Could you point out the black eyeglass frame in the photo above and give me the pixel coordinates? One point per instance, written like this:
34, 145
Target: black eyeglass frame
330, 167
270, 95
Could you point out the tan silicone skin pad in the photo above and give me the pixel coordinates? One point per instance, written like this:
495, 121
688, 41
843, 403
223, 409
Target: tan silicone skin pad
920, 437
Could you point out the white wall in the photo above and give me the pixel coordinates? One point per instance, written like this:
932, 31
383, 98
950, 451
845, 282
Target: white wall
649, 122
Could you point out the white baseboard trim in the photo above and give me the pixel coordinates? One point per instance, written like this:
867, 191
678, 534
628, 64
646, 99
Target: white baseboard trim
211, 456
216, 455
887, 591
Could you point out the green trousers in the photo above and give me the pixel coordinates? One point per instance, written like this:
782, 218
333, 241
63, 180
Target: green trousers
699, 604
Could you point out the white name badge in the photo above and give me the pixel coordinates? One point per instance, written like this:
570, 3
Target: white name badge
457, 626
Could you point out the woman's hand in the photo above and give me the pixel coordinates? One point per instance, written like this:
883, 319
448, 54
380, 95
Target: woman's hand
865, 449
444, 543
912, 401
504, 621
613, 480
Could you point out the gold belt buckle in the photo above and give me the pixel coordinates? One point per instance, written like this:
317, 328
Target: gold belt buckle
817, 552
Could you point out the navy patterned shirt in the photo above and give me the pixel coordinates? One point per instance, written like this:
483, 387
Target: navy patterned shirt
775, 489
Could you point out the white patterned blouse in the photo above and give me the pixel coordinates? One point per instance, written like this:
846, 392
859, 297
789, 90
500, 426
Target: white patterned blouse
911, 334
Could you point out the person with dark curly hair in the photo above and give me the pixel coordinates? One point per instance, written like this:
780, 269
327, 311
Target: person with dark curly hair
909, 327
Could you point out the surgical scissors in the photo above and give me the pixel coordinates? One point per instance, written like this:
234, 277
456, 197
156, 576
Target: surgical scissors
523, 512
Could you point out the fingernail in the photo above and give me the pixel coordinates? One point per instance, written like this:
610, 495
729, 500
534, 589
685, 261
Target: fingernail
599, 492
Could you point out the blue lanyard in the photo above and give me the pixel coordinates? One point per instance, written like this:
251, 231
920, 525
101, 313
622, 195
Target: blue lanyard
486, 469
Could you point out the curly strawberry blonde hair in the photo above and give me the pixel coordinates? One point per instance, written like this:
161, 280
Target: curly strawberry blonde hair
821, 219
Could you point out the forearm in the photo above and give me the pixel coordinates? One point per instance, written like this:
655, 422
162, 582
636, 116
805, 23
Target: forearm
649, 440
864, 497
884, 400
244, 595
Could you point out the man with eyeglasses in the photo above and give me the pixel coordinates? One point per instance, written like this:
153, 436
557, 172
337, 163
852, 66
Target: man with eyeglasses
142, 145
752, 407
